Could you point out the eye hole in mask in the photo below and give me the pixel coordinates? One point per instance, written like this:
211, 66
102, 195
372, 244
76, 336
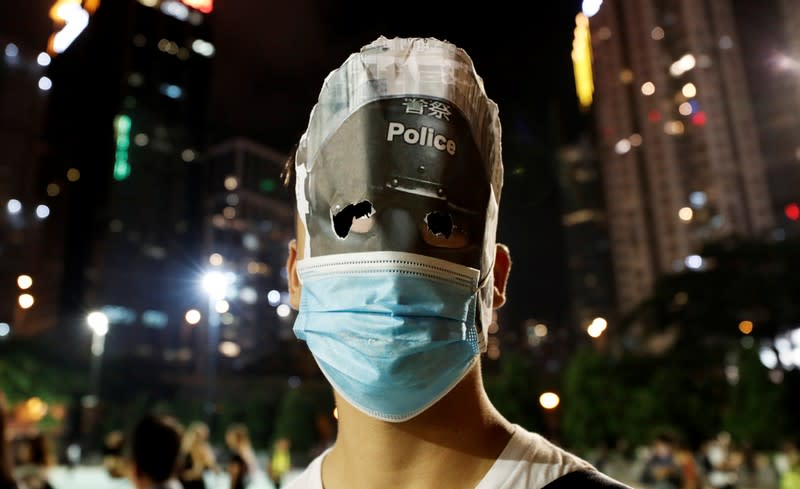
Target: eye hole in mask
439, 230
440, 224
354, 217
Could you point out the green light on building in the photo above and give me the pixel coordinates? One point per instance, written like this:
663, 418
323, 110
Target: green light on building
122, 130
268, 185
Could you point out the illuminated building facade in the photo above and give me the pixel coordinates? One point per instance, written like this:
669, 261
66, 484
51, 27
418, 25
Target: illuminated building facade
680, 152
249, 221
128, 113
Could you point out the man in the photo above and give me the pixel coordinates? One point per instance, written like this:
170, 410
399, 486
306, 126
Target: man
155, 445
395, 273
662, 469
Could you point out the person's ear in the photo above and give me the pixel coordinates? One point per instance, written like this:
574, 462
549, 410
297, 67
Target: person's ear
502, 267
294, 280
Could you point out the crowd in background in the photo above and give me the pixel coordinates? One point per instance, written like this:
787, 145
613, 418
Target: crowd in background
26, 459
667, 463
719, 463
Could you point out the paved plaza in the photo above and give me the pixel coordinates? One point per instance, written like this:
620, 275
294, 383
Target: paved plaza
95, 477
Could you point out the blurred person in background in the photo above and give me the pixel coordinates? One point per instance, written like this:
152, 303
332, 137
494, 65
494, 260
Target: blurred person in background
35, 462
688, 463
197, 456
662, 469
242, 464
721, 462
788, 466
113, 459
155, 451
6, 477
395, 274
280, 461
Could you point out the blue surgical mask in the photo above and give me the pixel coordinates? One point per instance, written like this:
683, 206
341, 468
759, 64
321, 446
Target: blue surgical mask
392, 332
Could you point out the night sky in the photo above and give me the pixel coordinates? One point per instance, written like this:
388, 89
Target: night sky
272, 58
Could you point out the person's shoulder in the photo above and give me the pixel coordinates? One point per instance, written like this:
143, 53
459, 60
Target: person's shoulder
586, 479
543, 452
307, 479
552, 466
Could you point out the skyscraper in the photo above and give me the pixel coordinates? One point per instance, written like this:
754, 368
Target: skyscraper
680, 151
770, 33
248, 222
585, 224
27, 304
127, 115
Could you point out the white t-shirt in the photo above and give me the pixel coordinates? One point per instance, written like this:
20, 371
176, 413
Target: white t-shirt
528, 461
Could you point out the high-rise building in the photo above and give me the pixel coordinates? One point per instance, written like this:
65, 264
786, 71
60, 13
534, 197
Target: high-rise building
681, 155
770, 46
248, 223
127, 120
585, 224
29, 268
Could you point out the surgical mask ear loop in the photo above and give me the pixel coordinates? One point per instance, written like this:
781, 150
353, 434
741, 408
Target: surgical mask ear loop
485, 280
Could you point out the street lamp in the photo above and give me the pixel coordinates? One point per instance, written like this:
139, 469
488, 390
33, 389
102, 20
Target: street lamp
98, 323
215, 283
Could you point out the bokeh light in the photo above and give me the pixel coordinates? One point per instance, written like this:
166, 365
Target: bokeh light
549, 400
193, 316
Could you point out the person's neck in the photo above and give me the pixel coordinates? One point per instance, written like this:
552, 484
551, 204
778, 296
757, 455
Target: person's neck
462, 431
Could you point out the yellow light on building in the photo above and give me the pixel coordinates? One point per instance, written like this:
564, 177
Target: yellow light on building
91, 5
582, 61
70, 18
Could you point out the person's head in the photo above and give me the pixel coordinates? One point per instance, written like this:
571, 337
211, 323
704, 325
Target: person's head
282, 444
663, 445
115, 439
395, 271
237, 436
155, 445
196, 434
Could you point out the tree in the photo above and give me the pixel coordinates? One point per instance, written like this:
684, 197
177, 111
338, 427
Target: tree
514, 391
751, 399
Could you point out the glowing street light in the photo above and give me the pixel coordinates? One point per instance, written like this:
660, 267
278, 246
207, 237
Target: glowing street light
24, 282
216, 284
549, 400
98, 323
597, 327
25, 301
